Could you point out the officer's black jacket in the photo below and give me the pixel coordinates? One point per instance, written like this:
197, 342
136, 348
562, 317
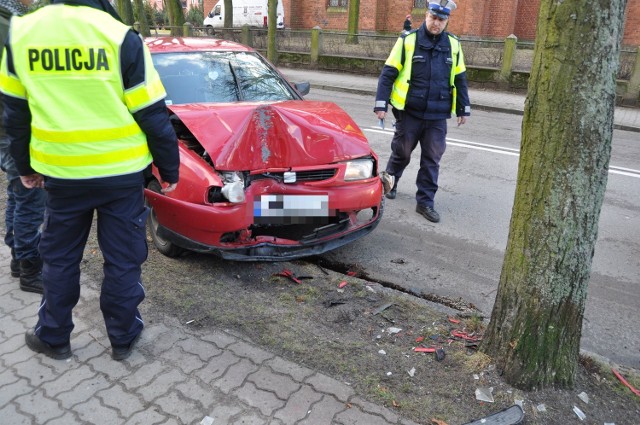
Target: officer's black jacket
429, 94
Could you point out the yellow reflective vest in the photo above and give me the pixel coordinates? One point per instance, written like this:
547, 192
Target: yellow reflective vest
405, 48
67, 66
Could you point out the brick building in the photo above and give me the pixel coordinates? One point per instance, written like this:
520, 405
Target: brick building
478, 18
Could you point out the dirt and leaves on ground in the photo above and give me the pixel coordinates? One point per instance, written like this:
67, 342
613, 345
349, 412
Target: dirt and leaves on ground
414, 357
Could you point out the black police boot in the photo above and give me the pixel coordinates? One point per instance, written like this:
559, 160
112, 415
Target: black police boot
15, 265
394, 190
31, 275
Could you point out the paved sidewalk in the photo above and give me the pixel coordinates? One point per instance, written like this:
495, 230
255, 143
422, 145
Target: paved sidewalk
174, 376
624, 118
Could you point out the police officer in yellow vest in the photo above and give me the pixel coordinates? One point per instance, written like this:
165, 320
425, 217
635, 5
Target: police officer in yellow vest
85, 115
424, 79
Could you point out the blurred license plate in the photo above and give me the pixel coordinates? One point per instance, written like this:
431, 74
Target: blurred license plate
290, 209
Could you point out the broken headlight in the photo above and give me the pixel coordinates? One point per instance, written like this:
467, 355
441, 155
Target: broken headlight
359, 169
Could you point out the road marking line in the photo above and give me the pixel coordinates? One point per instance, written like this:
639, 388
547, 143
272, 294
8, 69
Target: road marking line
629, 172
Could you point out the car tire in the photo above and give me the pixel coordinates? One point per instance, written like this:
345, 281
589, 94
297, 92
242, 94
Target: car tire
164, 246
210, 31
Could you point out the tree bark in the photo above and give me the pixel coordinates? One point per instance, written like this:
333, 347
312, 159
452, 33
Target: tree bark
176, 17
142, 18
536, 323
272, 23
125, 10
354, 22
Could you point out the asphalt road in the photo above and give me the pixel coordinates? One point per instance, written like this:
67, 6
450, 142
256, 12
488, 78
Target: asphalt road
461, 257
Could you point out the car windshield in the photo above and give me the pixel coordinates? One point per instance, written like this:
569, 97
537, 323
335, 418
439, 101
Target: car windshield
196, 77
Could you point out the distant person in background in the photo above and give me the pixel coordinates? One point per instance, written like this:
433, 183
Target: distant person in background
407, 24
24, 211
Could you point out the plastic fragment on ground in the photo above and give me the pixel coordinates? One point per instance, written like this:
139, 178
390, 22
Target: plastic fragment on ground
440, 354
207, 420
584, 397
485, 394
412, 372
382, 308
541, 408
424, 350
382, 352
476, 376
389, 373
394, 330
342, 284
512, 415
579, 413
625, 383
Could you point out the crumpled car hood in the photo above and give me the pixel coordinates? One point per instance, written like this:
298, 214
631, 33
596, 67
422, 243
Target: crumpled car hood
261, 135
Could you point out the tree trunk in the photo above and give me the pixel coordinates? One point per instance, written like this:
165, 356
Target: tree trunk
142, 19
125, 10
272, 23
536, 323
228, 14
354, 21
176, 17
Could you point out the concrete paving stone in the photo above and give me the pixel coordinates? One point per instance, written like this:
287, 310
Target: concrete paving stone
355, 416
266, 401
12, 326
118, 398
235, 376
162, 343
28, 298
67, 381
375, 409
90, 350
204, 350
248, 418
255, 354
22, 354
12, 344
137, 359
151, 332
221, 414
184, 410
171, 421
16, 418
41, 407
146, 417
161, 385
323, 412
35, 372
8, 376
143, 375
219, 338
10, 304
83, 392
328, 385
280, 365
206, 396
114, 371
28, 314
298, 405
217, 366
187, 362
67, 419
13, 390
58, 366
282, 385
93, 412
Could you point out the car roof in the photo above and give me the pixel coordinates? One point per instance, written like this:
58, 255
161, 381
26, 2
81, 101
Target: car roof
193, 44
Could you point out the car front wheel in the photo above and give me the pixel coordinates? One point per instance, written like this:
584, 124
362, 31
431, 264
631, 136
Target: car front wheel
164, 246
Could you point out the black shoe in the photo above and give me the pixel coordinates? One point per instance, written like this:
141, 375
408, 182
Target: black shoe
121, 352
15, 267
392, 194
31, 275
429, 213
58, 352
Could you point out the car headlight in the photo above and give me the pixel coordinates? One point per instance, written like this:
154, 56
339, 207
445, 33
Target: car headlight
359, 169
233, 187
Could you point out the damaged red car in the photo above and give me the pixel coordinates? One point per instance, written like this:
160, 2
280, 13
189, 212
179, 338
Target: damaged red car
264, 174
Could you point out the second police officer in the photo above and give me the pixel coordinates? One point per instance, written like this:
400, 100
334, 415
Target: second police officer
424, 80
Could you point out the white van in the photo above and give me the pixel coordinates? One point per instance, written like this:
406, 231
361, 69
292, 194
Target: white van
245, 12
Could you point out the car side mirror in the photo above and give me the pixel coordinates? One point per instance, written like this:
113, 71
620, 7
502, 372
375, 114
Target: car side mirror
303, 88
